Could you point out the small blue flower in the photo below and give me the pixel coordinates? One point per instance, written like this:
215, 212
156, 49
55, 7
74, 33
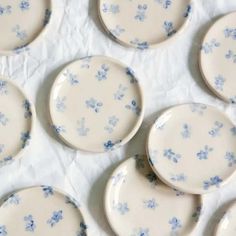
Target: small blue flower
30, 223
5, 10
175, 223
141, 12
120, 93
110, 8
186, 133
13, 199
152, 178
203, 154
198, 108
71, 77
151, 204
171, 155
165, 3
47, 191
133, 106
3, 230
3, 119
215, 131
208, 47
178, 193
122, 208
27, 107
142, 45
219, 82
60, 104
102, 73
109, 145
188, 11
94, 104
118, 178
3, 87
24, 5
72, 202
214, 181
59, 129
56, 217
131, 75
230, 33
178, 178
25, 137
141, 232
117, 31
82, 130
169, 28
21, 34
230, 55
230, 157
112, 122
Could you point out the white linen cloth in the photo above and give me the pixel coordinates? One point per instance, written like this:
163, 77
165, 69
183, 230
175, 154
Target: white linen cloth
169, 76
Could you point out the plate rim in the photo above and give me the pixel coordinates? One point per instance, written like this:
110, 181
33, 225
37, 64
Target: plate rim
20, 153
194, 191
159, 45
36, 39
135, 128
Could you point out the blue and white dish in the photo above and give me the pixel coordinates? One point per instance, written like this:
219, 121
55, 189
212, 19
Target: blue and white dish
218, 58
41, 211
21, 22
192, 148
16, 121
137, 203
144, 24
96, 104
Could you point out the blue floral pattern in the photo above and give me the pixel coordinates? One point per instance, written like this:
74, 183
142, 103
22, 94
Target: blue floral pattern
150, 204
141, 12
230, 55
57, 216
24, 5
203, 154
47, 17
117, 31
171, 155
5, 10
82, 129
141, 232
112, 123
102, 73
139, 44
131, 75
208, 48
215, 131
83, 229
29, 223
13, 199
94, 104
27, 106
196, 215
198, 108
230, 33
3, 87
178, 178
120, 93
21, 34
186, 131
213, 181
3, 119
169, 28
122, 208
188, 11
219, 82
175, 224
71, 77
165, 3
47, 191
110, 8
3, 230
133, 106
59, 129
231, 158
25, 137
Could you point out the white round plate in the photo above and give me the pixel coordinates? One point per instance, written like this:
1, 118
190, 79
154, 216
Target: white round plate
146, 23
16, 121
137, 203
41, 211
218, 58
227, 225
21, 22
96, 104
192, 147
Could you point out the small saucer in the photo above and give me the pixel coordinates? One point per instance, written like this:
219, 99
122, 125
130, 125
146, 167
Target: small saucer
144, 24
192, 148
16, 121
137, 203
218, 58
41, 211
96, 104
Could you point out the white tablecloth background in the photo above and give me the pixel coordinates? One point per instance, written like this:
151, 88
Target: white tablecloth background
169, 76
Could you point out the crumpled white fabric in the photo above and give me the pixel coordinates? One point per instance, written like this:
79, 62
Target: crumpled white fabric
169, 76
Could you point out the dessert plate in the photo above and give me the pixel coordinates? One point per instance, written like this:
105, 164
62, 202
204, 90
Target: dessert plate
16, 121
96, 104
227, 225
218, 58
192, 147
41, 211
137, 203
21, 22
143, 24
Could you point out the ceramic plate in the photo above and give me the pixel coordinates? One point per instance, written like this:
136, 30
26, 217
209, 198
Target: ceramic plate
137, 203
16, 121
227, 225
218, 58
96, 104
146, 23
41, 211
192, 147
21, 22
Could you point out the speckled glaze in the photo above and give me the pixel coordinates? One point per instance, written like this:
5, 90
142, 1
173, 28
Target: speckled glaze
218, 58
21, 23
131, 23
16, 121
96, 104
191, 147
137, 203
41, 211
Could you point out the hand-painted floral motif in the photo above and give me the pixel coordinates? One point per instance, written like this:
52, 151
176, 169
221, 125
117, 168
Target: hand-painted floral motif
175, 224
47, 191
120, 93
214, 181
171, 155
188, 11
56, 217
178, 193
59, 129
27, 107
5, 10
231, 158
3, 87
71, 77
29, 223
198, 108
142, 45
25, 137
219, 82
141, 12
230, 33
3, 230
111, 8
208, 48
150, 204
109, 145
83, 229
230, 55
186, 132
13, 199
3, 119
141, 232
134, 107
122, 208
178, 178
85, 62
24, 5
214, 132
203, 154
169, 28
112, 122
165, 3
21, 34
94, 104
131, 75
117, 31
73, 202
82, 129
102, 73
